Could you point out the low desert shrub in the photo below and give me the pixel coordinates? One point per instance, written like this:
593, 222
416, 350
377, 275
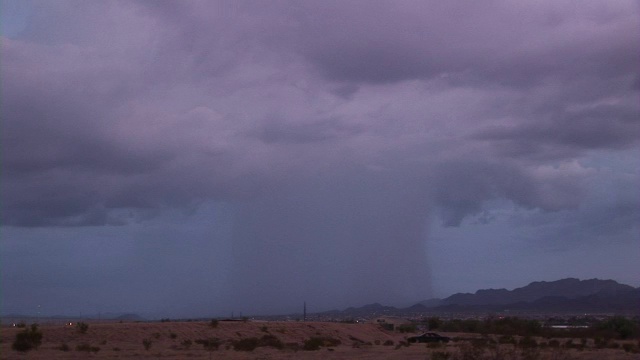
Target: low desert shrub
173, 335
599, 342
293, 346
64, 347
470, 352
410, 328
86, 347
388, 343
501, 352
354, 339
527, 342
186, 343
507, 339
530, 353
385, 326
28, 339
147, 344
209, 344
246, 344
440, 355
613, 345
214, 323
82, 328
559, 354
315, 343
312, 344
271, 341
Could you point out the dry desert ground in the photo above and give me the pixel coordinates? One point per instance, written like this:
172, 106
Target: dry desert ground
178, 340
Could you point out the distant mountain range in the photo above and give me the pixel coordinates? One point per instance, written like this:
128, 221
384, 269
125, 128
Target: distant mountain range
561, 296
104, 316
566, 288
568, 296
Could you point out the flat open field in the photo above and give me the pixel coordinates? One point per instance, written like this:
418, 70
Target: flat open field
178, 340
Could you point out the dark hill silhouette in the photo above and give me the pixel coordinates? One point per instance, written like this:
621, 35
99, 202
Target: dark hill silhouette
566, 288
561, 296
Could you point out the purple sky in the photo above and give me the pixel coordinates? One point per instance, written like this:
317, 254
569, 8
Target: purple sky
178, 158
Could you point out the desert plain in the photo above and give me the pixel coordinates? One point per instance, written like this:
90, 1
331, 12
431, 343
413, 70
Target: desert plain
282, 340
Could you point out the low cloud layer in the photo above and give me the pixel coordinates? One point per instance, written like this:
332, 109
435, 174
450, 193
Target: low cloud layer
334, 130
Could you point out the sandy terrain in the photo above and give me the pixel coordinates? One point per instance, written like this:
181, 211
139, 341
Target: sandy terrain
358, 341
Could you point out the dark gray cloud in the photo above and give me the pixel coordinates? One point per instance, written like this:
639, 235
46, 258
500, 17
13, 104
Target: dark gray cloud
329, 128
567, 132
322, 130
509, 43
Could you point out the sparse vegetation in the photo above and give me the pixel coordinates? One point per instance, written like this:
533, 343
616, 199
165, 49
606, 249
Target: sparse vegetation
271, 341
214, 323
440, 355
186, 343
246, 344
147, 344
470, 351
507, 339
87, 347
527, 342
28, 339
82, 327
407, 328
210, 343
312, 344
248, 337
630, 348
315, 343
618, 327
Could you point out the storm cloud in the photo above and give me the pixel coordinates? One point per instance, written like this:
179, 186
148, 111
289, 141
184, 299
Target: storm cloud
333, 133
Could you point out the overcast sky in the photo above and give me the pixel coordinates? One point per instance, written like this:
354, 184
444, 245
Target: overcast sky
194, 158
